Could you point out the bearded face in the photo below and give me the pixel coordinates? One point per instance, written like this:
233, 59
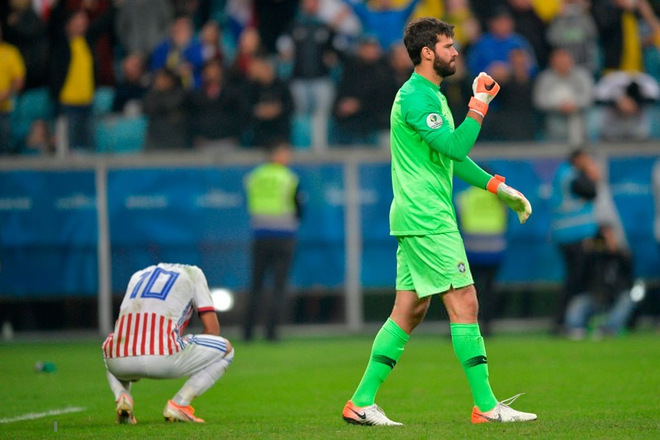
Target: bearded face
444, 68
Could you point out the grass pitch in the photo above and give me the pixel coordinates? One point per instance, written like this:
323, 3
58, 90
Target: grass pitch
296, 390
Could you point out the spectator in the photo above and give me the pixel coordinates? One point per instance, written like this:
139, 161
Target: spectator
531, 27
164, 106
574, 224
382, 19
273, 17
216, 109
239, 16
362, 106
574, 30
467, 28
309, 45
40, 139
494, 48
650, 33
626, 97
619, 34
563, 92
514, 102
74, 70
610, 278
400, 65
103, 46
12, 79
271, 105
484, 10
181, 53
27, 32
342, 19
249, 46
274, 205
457, 88
482, 220
133, 86
211, 39
143, 24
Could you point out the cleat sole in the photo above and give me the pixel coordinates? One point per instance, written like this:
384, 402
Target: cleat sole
125, 418
351, 421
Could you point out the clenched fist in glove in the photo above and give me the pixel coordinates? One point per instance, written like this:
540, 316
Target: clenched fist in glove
484, 89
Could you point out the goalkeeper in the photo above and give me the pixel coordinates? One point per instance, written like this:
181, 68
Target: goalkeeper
427, 150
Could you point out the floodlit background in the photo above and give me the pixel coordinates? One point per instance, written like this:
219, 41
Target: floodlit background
141, 158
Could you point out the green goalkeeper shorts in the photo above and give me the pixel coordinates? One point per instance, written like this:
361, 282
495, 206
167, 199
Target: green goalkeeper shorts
430, 264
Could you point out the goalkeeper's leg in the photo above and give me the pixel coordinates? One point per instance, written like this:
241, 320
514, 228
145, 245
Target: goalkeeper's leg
408, 313
462, 307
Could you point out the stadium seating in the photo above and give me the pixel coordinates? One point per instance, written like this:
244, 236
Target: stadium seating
120, 134
34, 104
103, 99
301, 133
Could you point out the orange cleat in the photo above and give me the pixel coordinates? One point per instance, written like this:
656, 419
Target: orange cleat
502, 413
368, 415
125, 410
176, 413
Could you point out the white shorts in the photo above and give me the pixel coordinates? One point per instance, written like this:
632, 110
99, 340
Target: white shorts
199, 352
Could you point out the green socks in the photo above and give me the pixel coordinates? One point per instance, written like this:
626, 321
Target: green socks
385, 352
388, 347
471, 352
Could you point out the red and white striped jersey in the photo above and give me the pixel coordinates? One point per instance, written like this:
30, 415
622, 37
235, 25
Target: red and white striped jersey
157, 307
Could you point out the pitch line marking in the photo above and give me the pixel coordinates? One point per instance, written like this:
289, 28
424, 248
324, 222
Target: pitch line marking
33, 416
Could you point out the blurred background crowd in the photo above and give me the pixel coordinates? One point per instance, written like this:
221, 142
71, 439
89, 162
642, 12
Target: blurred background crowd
150, 75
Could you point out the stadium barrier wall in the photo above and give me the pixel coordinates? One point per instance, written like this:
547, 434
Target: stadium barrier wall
83, 225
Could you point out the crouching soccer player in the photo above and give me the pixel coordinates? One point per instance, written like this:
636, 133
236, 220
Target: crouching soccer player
147, 341
426, 152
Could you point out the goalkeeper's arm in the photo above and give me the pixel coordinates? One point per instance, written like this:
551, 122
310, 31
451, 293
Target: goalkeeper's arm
471, 173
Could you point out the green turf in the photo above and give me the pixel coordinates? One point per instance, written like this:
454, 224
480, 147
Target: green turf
296, 390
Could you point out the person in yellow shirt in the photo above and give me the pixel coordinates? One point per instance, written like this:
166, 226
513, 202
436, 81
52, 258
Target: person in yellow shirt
73, 70
275, 207
12, 78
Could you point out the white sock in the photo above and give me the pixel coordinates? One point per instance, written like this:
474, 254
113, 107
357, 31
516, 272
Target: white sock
201, 381
118, 386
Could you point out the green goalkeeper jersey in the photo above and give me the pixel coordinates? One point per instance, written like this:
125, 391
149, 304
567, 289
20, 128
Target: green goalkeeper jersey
426, 151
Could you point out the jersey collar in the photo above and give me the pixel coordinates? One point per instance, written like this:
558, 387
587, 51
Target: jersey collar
420, 79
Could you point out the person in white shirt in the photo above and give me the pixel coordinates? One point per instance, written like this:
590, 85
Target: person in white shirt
147, 341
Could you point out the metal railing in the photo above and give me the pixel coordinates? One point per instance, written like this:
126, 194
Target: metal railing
350, 159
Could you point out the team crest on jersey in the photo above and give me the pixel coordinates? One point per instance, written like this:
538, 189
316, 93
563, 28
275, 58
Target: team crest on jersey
434, 121
461, 267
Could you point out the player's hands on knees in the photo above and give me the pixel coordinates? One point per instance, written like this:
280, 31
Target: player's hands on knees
484, 88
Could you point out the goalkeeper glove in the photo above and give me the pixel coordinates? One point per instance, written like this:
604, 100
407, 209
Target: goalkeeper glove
484, 89
511, 198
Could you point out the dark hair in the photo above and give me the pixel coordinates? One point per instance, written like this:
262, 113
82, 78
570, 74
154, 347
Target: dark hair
576, 153
423, 32
171, 75
213, 62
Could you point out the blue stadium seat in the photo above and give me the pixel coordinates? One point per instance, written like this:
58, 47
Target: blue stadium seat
103, 99
19, 132
34, 104
301, 133
120, 135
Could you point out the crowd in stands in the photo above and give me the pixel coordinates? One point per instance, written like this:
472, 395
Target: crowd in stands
149, 75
